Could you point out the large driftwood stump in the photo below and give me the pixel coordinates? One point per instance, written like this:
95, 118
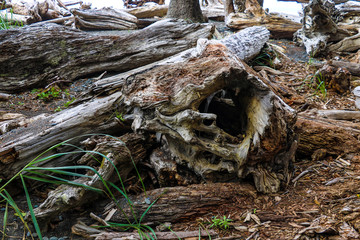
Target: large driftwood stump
320, 20
35, 56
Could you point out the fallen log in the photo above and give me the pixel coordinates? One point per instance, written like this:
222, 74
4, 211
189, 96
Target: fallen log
278, 26
335, 136
104, 19
176, 204
61, 52
148, 11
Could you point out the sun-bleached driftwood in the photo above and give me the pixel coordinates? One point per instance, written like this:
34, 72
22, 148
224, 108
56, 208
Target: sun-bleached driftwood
21, 146
37, 10
278, 26
65, 53
104, 19
148, 11
320, 18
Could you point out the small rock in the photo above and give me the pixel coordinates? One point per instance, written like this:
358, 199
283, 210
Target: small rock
45, 238
277, 199
53, 238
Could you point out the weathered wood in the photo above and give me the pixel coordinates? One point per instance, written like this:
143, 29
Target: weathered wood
175, 204
21, 146
159, 235
337, 137
353, 68
92, 233
348, 44
104, 19
278, 26
339, 114
320, 20
61, 52
148, 11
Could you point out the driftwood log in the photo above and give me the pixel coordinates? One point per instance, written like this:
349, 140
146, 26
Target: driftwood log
64, 53
278, 26
176, 204
320, 18
334, 137
104, 19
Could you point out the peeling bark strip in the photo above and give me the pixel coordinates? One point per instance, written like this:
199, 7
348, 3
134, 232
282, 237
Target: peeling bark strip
35, 56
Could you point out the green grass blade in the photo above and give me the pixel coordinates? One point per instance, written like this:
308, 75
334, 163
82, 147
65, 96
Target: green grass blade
61, 181
5, 220
36, 225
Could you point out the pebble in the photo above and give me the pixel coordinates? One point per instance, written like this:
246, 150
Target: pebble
45, 238
53, 238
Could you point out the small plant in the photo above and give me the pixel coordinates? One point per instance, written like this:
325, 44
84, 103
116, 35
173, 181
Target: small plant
49, 94
222, 223
67, 104
58, 109
264, 58
119, 116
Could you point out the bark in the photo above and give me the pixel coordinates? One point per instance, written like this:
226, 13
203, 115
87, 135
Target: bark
178, 204
335, 136
104, 19
60, 52
188, 10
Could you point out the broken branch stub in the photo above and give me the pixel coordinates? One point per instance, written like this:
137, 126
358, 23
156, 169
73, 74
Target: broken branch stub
216, 116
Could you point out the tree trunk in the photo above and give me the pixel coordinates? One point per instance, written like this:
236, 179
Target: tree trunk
62, 53
188, 10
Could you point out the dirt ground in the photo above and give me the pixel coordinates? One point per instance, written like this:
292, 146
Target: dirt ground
322, 200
